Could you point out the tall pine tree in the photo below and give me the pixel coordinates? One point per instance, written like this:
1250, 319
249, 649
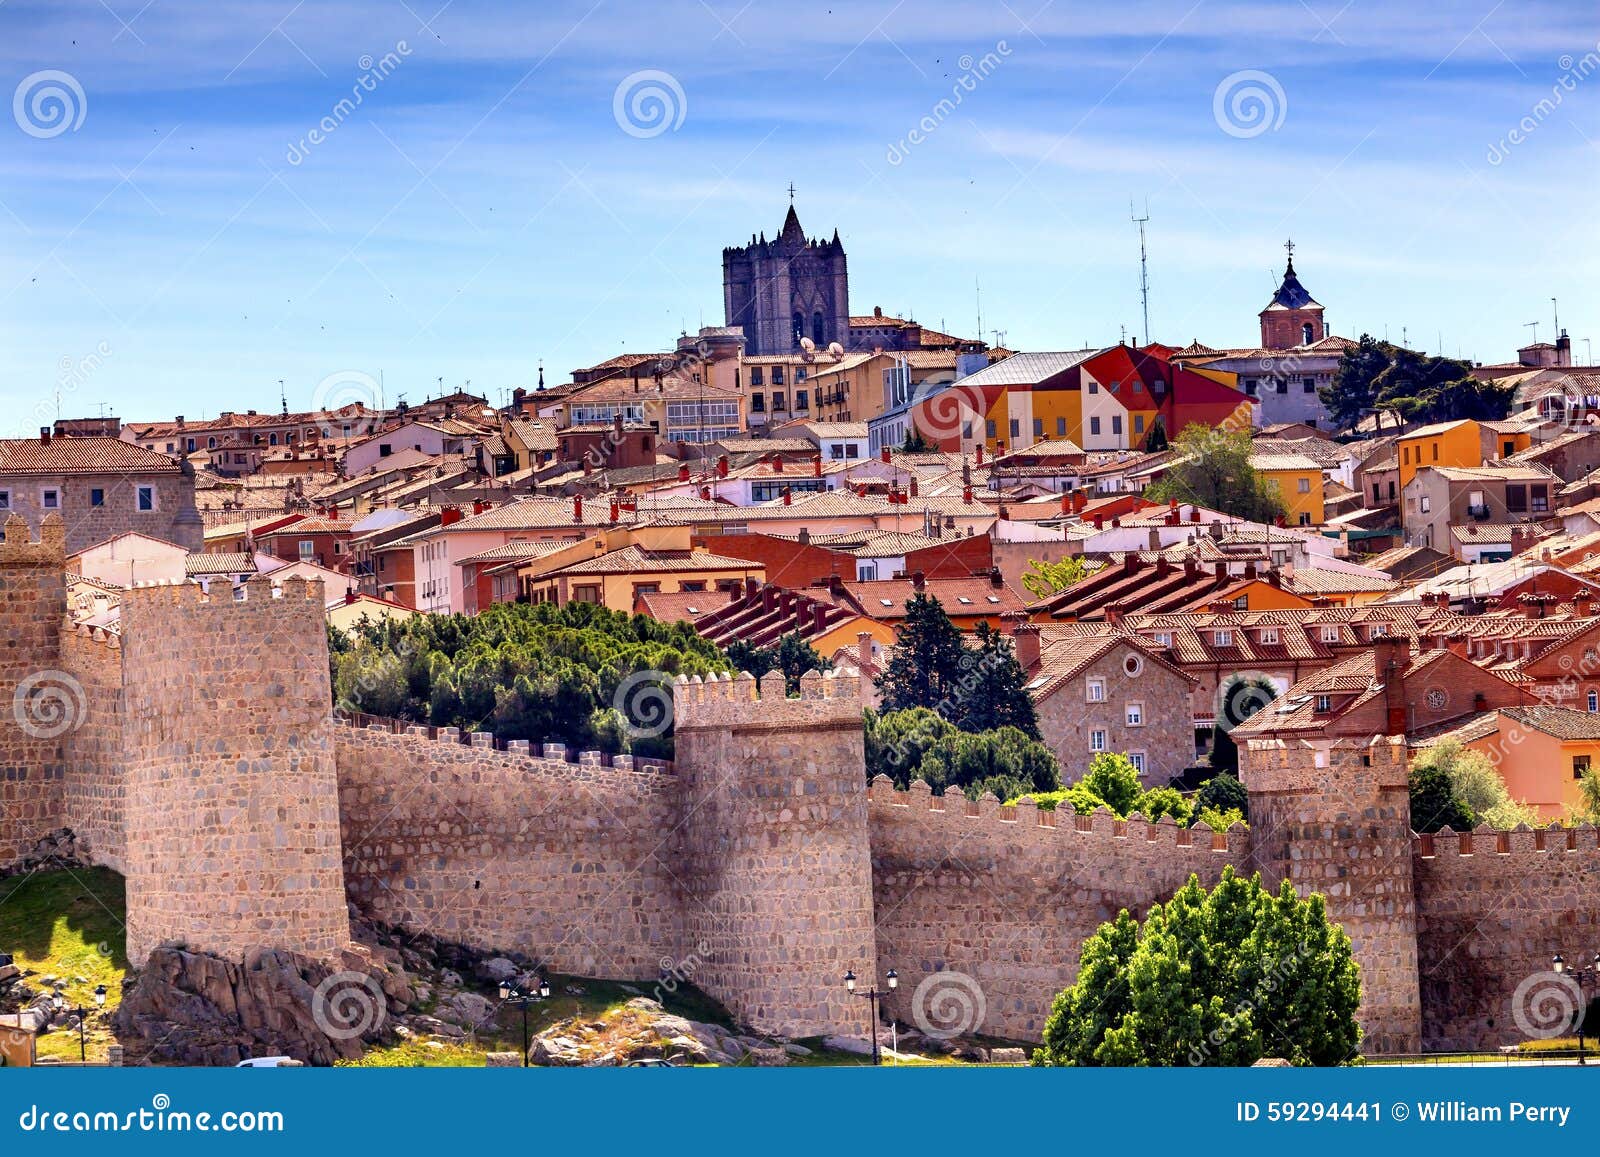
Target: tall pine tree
995, 691
925, 668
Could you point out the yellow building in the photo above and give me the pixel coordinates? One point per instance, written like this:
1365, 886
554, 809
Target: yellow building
1462, 443
863, 385
1298, 481
616, 566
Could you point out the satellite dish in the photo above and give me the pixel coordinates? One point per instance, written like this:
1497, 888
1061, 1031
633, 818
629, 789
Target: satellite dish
807, 344
835, 349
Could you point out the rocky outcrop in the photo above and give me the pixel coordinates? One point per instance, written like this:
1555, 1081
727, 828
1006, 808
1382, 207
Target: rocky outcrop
191, 1008
59, 849
642, 1031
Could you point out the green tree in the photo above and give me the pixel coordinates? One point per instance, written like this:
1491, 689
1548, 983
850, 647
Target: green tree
1239, 697
993, 688
925, 667
1111, 781
791, 654
1223, 793
915, 443
898, 742
1455, 785
1588, 809
1043, 579
1219, 977
1354, 392
1437, 389
921, 744
1212, 469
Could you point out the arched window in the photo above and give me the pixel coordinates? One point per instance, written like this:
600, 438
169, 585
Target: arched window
799, 328
816, 328
1307, 334
1594, 700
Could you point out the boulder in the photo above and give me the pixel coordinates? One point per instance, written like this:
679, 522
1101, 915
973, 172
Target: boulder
497, 968
1008, 1056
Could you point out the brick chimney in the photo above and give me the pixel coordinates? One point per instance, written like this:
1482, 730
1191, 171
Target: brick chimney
1391, 655
450, 515
994, 578
913, 485
884, 454
816, 466
44, 435
577, 508
722, 466
616, 511
788, 497
777, 463
683, 472
918, 580
966, 495
1025, 641
978, 448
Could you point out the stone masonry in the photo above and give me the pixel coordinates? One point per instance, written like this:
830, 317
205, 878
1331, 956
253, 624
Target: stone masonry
199, 758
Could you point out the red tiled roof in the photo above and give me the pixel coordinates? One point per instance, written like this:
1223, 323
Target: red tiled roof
81, 456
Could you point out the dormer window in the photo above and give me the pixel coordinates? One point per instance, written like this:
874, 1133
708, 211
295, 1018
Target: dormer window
1223, 638
1269, 635
1324, 704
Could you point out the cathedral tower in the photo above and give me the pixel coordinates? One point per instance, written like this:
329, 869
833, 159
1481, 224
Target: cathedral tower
1293, 317
782, 290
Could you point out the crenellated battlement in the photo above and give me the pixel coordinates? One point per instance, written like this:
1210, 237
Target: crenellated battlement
1446, 844
183, 593
513, 754
1028, 819
826, 699
20, 549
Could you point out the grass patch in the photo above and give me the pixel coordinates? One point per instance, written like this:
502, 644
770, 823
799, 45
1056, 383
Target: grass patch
69, 924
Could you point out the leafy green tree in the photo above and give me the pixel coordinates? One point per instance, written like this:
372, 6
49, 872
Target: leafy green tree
898, 742
1588, 809
925, 667
1111, 781
1437, 389
1043, 579
921, 744
1239, 697
1223, 793
1353, 392
1453, 785
1213, 470
993, 687
1219, 977
1165, 801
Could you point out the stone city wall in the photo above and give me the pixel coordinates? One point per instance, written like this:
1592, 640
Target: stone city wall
93, 780
572, 863
1007, 896
231, 805
1493, 908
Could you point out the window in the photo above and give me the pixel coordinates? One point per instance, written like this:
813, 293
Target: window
1138, 423
777, 395
988, 428
308, 550
211, 443
1097, 741
1095, 689
692, 586
797, 324
1594, 701
1304, 486
1307, 334
1250, 386
777, 375
385, 449
50, 498
5, 500
1061, 427
97, 497
1269, 635
1324, 704
802, 399
758, 403
1305, 518
1580, 766
1016, 427
1137, 759
1222, 638
1241, 603
1425, 504
1135, 715
1094, 425
1309, 385
1162, 638
1038, 427
1516, 498
144, 499
1116, 423
1094, 386
1540, 494
1281, 385
1436, 451
586, 594
755, 376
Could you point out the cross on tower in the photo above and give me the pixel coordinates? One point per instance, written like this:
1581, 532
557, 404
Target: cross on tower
791, 192
1289, 248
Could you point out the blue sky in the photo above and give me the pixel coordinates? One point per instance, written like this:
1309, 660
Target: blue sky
483, 209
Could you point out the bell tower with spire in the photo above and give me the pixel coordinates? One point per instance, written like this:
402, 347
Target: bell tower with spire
789, 288
1293, 317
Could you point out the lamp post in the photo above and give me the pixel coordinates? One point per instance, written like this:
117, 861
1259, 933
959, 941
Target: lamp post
513, 992
59, 1003
873, 995
1582, 976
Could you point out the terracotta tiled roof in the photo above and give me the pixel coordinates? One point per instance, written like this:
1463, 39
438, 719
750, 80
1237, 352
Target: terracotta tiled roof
1561, 722
81, 456
637, 560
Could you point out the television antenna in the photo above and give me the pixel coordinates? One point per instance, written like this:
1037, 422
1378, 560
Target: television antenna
1144, 268
1533, 325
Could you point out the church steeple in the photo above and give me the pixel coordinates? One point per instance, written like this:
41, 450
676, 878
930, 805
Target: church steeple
791, 228
1293, 317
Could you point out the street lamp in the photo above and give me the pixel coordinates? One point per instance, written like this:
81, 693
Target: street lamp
873, 995
1582, 976
513, 992
59, 1003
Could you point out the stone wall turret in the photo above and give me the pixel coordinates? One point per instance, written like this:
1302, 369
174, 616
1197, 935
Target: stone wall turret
777, 867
